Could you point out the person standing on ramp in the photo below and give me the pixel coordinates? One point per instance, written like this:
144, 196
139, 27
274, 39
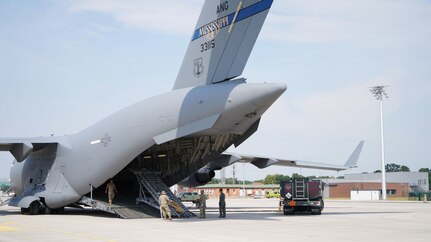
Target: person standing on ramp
164, 205
111, 190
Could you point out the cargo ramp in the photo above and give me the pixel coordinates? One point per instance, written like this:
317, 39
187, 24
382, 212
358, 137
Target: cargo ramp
143, 202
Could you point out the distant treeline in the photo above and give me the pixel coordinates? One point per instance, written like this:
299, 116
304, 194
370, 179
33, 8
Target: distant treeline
276, 178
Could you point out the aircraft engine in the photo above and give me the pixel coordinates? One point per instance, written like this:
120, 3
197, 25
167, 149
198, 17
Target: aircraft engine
199, 178
16, 177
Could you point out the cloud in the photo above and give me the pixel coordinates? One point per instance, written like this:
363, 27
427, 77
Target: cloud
328, 115
325, 126
173, 17
375, 23
341, 110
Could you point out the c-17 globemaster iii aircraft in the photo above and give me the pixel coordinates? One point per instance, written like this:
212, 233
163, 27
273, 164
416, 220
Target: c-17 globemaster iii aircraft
175, 137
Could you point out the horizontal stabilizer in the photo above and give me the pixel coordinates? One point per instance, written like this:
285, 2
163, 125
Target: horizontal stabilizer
22, 148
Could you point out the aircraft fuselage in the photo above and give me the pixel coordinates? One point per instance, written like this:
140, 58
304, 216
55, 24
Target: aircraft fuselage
100, 151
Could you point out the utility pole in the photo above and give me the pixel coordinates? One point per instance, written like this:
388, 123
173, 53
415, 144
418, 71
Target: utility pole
243, 179
379, 92
233, 174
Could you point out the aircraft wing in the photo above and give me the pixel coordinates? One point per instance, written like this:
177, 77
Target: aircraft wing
20, 148
261, 162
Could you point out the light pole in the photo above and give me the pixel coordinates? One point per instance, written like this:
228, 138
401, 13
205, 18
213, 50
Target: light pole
243, 179
379, 92
233, 174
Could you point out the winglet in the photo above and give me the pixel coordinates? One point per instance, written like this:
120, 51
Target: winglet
353, 159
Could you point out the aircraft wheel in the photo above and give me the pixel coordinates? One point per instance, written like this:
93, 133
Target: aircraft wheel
34, 208
58, 210
47, 210
24, 210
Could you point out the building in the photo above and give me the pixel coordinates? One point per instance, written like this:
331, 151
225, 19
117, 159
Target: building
233, 190
343, 189
398, 184
414, 179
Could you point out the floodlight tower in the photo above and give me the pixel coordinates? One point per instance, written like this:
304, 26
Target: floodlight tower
379, 92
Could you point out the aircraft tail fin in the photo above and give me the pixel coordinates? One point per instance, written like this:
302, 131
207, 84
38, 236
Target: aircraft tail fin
222, 41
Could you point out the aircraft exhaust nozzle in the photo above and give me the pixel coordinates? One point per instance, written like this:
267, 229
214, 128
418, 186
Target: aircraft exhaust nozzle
266, 93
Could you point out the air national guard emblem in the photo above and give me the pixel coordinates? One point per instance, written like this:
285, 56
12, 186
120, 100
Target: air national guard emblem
198, 67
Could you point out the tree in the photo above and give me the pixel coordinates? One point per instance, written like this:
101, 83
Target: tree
4, 188
424, 170
275, 179
404, 168
327, 177
392, 167
215, 181
230, 181
296, 175
245, 182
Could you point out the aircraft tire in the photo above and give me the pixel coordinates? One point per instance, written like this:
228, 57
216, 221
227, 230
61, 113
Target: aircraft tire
24, 210
58, 210
47, 210
33, 209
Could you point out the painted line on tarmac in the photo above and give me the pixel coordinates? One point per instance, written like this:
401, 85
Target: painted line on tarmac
7, 228
24, 227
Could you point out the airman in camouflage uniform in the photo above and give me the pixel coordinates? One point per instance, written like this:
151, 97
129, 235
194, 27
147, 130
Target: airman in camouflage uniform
111, 190
222, 204
164, 205
202, 204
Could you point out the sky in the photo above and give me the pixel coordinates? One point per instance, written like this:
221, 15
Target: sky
64, 65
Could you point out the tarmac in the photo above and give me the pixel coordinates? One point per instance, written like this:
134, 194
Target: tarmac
247, 220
